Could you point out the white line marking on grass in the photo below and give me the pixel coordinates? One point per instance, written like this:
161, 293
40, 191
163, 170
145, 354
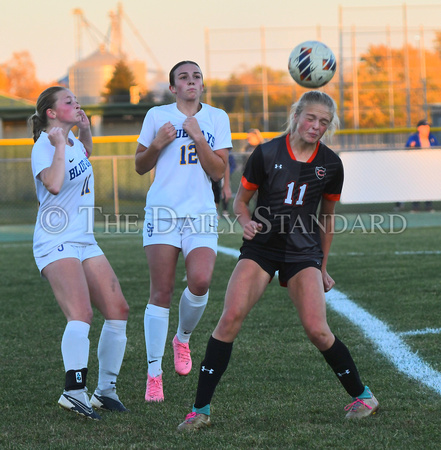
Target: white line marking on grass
229, 251
418, 332
407, 253
421, 252
388, 343
15, 244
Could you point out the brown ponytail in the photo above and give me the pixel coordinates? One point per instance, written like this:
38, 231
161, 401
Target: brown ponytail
46, 100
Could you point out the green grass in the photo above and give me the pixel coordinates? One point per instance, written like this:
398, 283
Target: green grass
278, 391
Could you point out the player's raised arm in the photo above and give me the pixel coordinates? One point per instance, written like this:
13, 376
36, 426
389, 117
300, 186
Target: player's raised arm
147, 157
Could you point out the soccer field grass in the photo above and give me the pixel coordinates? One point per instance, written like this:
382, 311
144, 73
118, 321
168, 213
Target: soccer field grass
278, 392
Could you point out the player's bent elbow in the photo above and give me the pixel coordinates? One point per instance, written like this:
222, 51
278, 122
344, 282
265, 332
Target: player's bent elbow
217, 174
216, 178
140, 171
54, 189
140, 168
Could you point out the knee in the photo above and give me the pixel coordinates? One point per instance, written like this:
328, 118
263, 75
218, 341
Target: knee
199, 284
229, 325
123, 310
118, 310
321, 337
161, 297
83, 315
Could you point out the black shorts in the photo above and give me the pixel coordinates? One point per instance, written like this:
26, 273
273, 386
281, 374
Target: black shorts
216, 185
286, 269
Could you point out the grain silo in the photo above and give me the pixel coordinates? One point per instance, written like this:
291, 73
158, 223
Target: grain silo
88, 77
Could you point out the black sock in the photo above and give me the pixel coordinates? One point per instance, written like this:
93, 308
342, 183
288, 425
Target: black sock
341, 362
213, 366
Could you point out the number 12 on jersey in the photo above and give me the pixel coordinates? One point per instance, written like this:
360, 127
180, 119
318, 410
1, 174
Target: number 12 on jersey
290, 191
188, 155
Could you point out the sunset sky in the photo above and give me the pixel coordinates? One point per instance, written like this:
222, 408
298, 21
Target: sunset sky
174, 30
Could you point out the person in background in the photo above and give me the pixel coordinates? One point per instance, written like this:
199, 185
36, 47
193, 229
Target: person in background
216, 186
187, 143
254, 138
226, 193
423, 138
293, 174
67, 253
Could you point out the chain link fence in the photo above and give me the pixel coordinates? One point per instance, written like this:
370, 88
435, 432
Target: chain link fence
387, 70
120, 192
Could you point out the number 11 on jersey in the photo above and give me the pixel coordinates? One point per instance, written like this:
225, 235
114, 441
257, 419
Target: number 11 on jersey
290, 192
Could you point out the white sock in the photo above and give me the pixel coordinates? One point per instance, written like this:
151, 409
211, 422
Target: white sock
155, 329
75, 345
111, 348
191, 308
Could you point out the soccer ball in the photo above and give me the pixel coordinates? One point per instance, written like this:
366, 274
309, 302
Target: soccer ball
312, 64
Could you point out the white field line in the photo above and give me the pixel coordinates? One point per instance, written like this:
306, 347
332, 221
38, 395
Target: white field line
407, 253
388, 343
419, 332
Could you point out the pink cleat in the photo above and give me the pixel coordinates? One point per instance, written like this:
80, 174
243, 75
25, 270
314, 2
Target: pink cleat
154, 391
181, 352
361, 408
195, 421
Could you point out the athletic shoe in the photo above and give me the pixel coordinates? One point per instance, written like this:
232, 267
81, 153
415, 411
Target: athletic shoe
78, 402
154, 391
108, 403
182, 357
362, 407
195, 421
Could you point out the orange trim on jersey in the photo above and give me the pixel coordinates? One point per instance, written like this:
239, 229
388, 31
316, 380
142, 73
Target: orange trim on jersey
332, 197
315, 153
291, 153
247, 185
288, 146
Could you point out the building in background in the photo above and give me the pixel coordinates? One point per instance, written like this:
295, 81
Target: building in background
14, 113
88, 77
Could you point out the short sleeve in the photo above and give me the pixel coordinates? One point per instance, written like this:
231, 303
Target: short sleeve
254, 172
148, 129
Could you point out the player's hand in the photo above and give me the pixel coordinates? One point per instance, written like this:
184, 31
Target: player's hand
191, 127
251, 229
56, 136
226, 193
165, 135
84, 122
328, 282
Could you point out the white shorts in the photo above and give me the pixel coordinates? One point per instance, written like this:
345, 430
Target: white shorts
69, 250
184, 233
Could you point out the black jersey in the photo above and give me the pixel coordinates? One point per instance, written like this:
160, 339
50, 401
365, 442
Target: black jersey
289, 192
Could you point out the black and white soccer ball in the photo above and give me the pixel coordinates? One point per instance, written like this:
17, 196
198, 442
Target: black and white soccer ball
312, 64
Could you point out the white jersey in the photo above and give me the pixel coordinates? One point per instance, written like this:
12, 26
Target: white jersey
68, 216
181, 185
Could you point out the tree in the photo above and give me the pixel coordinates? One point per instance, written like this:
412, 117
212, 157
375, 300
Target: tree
437, 42
384, 94
242, 94
4, 80
21, 79
118, 87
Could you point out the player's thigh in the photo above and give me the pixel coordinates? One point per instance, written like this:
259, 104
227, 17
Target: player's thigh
69, 285
105, 290
247, 284
307, 293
